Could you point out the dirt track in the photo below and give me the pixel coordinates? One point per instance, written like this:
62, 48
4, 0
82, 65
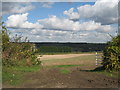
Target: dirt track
79, 77
52, 78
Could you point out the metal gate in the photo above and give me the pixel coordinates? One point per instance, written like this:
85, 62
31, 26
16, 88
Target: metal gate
99, 58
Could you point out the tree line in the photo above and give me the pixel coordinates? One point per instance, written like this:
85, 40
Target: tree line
47, 47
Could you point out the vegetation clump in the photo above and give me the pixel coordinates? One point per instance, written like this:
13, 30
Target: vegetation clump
16, 51
111, 57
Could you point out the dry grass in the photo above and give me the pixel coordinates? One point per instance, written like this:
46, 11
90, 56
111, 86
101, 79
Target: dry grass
63, 56
68, 59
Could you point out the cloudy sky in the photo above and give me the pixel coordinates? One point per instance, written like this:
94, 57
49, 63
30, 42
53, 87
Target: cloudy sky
91, 22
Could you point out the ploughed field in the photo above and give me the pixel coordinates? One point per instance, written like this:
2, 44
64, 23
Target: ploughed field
68, 71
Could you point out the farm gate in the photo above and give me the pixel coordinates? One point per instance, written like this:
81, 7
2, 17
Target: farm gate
99, 58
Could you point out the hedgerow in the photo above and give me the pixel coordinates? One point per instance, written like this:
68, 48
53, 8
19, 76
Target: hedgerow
111, 58
15, 52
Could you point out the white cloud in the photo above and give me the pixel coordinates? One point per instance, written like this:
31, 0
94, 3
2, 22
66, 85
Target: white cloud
16, 7
66, 29
40, 35
47, 4
66, 24
56, 23
72, 15
103, 11
20, 21
21, 7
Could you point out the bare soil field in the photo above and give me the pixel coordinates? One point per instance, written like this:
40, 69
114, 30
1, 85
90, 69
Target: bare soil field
64, 76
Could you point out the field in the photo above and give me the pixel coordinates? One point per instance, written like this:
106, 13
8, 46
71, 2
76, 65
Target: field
64, 71
68, 59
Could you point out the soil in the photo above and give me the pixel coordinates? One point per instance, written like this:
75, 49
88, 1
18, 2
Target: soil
79, 77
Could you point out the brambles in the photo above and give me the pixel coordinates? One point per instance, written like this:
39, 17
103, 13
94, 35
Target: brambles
15, 52
111, 59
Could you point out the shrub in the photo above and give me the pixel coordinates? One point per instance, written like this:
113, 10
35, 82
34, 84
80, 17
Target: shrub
14, 51
111, 53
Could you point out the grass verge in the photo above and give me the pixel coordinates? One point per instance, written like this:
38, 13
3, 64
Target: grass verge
62, 66
15, 75
65, 66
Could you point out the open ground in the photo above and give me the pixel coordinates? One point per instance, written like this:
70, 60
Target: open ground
68, 71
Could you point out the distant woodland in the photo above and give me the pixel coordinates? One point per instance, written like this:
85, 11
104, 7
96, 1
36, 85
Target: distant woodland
52, 47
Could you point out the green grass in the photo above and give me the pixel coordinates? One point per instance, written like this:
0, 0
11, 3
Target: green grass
15, 75
0, 76
63, 71
8, 78
65, 66
26, 69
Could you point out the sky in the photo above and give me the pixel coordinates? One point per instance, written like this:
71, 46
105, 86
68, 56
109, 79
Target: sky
91, 22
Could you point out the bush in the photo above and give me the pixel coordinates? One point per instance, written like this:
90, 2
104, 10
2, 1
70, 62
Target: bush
111, 53
15, 51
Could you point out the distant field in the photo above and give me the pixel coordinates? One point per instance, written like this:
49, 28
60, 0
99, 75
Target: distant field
69, 59
56, 53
